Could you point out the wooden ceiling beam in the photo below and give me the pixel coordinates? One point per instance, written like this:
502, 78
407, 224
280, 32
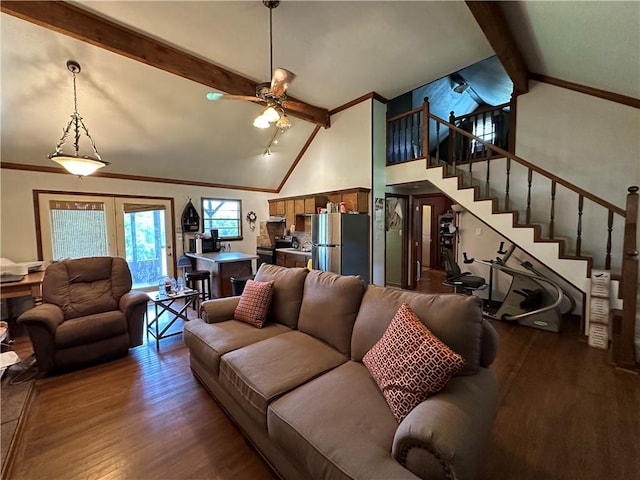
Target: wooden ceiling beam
80, 24
494, 26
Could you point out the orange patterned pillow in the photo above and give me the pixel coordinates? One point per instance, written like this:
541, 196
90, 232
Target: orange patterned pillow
409, 363
254, 303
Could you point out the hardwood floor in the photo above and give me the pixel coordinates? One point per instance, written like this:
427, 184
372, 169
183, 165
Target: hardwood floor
564, 413
143, 416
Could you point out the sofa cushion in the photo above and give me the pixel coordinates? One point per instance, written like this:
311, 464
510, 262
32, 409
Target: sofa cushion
337, 426
260, 372
329, 307
89, 329
209, 341
288, 284
254, 303
409, 363
454, 319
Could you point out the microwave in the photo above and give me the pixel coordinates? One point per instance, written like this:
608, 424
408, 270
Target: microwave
208, 245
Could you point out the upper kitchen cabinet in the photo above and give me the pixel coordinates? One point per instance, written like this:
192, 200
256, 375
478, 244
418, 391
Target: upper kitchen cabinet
297, 209
356, 201
290, 212
311, 204
277, 207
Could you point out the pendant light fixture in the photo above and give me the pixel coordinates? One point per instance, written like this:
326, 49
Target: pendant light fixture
75, 163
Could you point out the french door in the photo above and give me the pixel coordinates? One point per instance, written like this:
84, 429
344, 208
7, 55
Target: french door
137, 229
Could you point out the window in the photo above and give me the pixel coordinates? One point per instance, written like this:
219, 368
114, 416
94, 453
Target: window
224, 215
484, 128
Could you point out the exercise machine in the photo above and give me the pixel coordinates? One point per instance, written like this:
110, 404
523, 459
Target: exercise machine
463, 282
533, 299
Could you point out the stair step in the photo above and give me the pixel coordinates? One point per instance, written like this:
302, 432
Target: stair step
491, 210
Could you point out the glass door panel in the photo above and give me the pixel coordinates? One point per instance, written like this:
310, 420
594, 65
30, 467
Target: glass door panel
145, 243
74, 226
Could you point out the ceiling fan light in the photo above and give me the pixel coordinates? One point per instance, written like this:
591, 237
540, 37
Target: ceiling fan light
283, 123
81, 166
261, 122
271, 114
214, 96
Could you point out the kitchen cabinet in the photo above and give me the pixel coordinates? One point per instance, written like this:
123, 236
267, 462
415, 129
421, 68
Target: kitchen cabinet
334, 197
290, 212
290, 260
296, 210
312, 203
276, 207
357, 201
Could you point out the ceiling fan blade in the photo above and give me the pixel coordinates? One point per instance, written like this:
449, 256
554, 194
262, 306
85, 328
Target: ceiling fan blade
214, 96
280, 81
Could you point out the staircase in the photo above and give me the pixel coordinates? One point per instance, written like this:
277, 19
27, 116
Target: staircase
576, 270
564, 227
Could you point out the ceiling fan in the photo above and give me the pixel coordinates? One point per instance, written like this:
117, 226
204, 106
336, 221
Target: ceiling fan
273, 94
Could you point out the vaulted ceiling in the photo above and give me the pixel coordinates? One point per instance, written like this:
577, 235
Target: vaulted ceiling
152, 123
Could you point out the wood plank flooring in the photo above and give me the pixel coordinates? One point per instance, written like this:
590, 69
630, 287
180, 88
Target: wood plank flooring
564, 413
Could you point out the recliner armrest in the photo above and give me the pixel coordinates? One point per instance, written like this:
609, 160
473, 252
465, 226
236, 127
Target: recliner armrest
130, 300
47, 315
446, 429
219, 309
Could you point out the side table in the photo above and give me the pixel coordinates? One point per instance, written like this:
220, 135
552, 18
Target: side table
164, 303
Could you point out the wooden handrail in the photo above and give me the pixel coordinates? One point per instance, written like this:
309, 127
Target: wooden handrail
405, 114
480, 111
535, 168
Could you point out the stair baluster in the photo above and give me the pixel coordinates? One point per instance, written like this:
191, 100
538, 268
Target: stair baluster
552, 214
529, 181
607, 258
507, 202
579, 237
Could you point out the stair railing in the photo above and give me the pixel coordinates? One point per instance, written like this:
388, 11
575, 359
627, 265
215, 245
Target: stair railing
478, 169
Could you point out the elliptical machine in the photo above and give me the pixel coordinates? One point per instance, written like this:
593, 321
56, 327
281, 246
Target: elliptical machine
533, 299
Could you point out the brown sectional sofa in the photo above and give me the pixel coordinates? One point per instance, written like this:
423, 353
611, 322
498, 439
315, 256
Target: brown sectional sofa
299, 391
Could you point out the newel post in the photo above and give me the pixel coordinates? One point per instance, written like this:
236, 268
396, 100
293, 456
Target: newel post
425, 130
626, 357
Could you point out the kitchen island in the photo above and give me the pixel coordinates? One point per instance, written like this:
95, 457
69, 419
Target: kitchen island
223, 266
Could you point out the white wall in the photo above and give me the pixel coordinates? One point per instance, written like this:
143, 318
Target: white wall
17, 220
338, 158
378, 190
591, 142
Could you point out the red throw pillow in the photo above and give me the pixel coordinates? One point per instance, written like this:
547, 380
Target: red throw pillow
254, 303
409, 363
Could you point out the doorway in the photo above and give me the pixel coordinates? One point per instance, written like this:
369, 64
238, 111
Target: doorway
396, 240
135, 228
427, 209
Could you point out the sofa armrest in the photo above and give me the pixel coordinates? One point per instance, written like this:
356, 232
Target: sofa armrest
218, 309
47, 315
130, 300
447, 432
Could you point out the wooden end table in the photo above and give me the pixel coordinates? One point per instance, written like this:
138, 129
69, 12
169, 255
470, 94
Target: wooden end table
164, 303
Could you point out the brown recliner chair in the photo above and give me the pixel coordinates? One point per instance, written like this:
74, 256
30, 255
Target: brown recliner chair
89, 313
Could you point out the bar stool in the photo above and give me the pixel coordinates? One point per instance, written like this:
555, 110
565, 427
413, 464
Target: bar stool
203, 276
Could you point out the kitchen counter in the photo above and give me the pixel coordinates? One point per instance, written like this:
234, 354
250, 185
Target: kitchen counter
223, 266
222, 257
295, 251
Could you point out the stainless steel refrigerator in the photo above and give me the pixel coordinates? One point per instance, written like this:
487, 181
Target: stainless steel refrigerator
340, 243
